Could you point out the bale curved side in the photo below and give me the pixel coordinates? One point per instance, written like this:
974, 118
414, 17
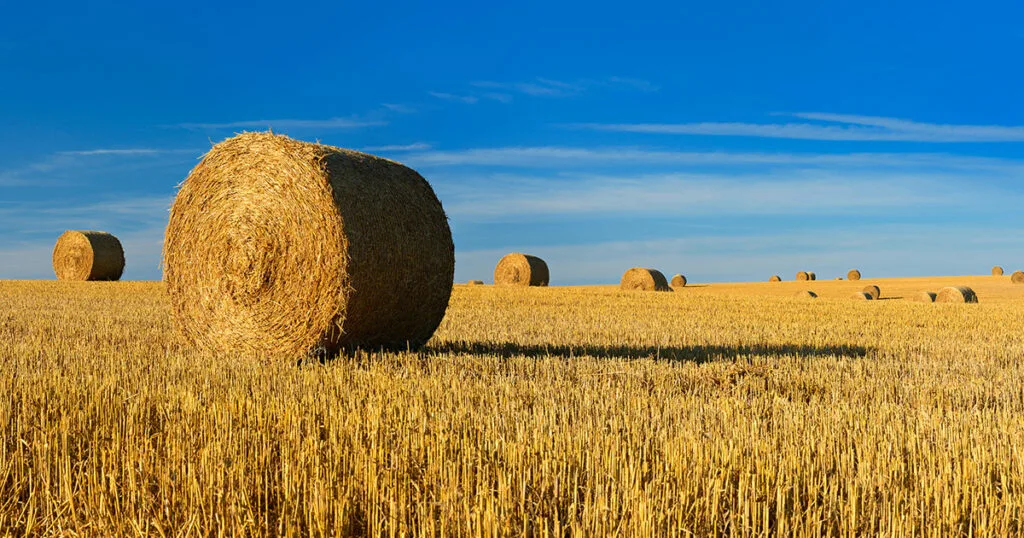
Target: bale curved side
678, 281
853, 274
997, 271
956, 294
873, 291
517, 269
88, 255
639, 278
1017, 277
276, 246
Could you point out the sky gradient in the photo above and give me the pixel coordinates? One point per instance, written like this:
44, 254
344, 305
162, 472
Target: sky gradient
723, 141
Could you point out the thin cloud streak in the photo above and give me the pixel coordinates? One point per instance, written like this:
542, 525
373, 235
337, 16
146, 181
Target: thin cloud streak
848, 128
417, 146
132, 152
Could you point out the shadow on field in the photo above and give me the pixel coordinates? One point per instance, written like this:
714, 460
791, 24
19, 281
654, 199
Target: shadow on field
696, 354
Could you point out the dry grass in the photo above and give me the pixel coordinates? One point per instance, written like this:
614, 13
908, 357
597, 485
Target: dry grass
728, 410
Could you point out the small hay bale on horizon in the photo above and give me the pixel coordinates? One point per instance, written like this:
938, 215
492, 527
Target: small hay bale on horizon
1017, 277
997, 271
853, 274
924, 297
862, 296
956, 294
88, 255
278, 247
873, 291
811, 275
639, 278
803, 275
805, 294
518, 269
774, 278
678, 281
475, 283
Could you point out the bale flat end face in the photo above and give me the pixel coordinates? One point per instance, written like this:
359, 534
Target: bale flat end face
997, 271
775, 278
678, 281
518, 269
956, 294
925, 297
1017, 277
803, 275
853, 274
643, 279
88, 255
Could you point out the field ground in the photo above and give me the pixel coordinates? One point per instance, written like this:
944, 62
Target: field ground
726, 409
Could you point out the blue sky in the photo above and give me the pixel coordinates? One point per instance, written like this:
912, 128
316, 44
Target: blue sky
726, 141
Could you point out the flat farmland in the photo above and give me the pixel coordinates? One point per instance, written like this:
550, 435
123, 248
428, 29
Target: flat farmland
718, 409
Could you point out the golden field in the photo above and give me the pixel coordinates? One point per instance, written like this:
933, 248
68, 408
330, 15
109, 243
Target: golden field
726, 409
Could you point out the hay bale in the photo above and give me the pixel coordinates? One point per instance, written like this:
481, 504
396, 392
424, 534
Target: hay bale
639, 278
521, 270
806, 294
1017, 277
678, 281
811, 275
956, 294
803, 275
862, 296
276, 246
839, 278
873, 291
853, 274
774, 278
475, 283
924, 297
997, 271
88, 255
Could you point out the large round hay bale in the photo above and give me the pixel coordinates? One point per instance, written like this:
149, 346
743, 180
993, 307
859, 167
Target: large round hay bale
803, 275
1017, 277
276, 246
956, 294
88, 255
862, 296
806, 294
639, 278
924, 297
521, 270
774, 278
678, 281
997, 271
853, 274
873, 291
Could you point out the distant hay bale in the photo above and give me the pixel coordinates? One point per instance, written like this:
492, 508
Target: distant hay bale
806, 294
1017, 277
925, 297
839, 278
678, 281
774, 278
639, 278
281, 247
956, 294
811, 275
873, 291
803, 275
88, 255
997, 271
853, 274
518, 269
475, 283
862, 296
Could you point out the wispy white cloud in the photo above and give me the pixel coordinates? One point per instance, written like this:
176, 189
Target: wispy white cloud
840, 127
468, 99
330, 123
128, 152
547, 87
399, 108
417, 146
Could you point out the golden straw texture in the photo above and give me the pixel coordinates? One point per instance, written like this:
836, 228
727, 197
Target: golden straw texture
853, 274
924, 297
803, 275
277, 246
774, 278
956, 294
518, 269
806, 294
678, 281
874, 291
862, 296
88, 255
639, 278
997, 271
1017, 277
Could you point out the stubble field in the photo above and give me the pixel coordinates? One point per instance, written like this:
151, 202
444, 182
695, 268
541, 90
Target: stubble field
728, 409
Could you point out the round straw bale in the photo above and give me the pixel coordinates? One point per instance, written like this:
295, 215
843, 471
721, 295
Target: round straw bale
276, 246
839, 278
873, 291
774, 278
678, 281
521, 270
811, 275
956, 294
862, 295
997, 271
475, 282
88, 255
853, 274
639, 278
925, 297
803, 275
1017, 277
806, 294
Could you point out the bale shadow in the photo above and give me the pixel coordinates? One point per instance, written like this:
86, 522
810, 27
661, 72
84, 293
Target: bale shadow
697, 354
